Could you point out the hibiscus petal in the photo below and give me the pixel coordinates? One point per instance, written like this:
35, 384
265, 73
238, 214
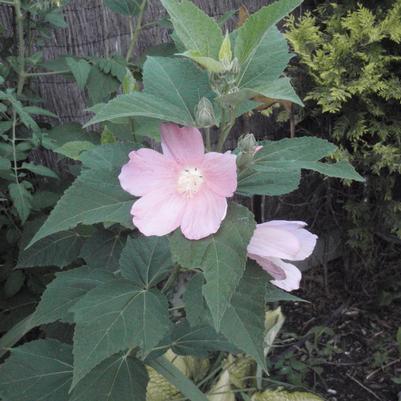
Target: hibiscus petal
267, 265
293, 275
220, 173
185, 145
147, 170
203, 215
282, 239
158, 212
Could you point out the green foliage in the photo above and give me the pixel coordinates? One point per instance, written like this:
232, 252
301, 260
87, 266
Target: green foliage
46, 373
221, 256
114, 317
118, 288
276, 169
349, 57
173, 88
197, 31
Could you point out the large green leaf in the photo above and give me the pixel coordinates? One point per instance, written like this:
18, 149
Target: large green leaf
58, 297
38, 370
114, 317
221, 256
145, 260
95, 197
80, 70
177, 379
64, 291
15, 333
118, 378
59, 249
250, 35
196, 30
124, 7
275, 294
198, 341
173, 87
103, 249
277, 166
22, 199
244, 321
196, 309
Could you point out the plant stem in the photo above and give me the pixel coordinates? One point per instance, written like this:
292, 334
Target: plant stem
39, 74
208, 140
226, 128
19, 20
13, 140
135, 33
9, 3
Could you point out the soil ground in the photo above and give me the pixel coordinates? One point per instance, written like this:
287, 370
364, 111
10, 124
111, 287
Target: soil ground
356, 357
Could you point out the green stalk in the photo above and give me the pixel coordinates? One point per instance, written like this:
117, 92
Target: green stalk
135, 33
39, 74
226, 129
208, 140
19, 20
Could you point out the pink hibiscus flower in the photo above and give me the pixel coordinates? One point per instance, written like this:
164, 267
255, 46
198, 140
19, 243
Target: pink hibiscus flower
183, 187
279, 239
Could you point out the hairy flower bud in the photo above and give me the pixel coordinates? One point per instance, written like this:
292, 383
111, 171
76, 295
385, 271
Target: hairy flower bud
247, 143
247, 147
204, 113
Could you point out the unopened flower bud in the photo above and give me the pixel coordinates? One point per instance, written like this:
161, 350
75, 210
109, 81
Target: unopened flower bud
225, 53
235, 67
204, 113
247, 143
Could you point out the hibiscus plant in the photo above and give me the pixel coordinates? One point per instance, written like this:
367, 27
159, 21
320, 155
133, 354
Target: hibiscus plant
168, 214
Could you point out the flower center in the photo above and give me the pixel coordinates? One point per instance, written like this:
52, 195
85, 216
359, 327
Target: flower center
189, 181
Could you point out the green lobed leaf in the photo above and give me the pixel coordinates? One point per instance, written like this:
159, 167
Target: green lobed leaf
38, 370
277, 166
173, 87
15, 334
196, 30
251, 34
103, 249
95, 196
120, 377
198, 341
59, 249
244, 321
114, 317
64, 291
146, 260
59, 296
275, 294
196, 309
80, 70
221, 256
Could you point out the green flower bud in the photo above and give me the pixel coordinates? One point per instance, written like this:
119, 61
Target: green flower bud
247, 143
204, 113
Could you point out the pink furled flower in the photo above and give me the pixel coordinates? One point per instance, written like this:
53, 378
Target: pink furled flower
183, 187
279, 239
